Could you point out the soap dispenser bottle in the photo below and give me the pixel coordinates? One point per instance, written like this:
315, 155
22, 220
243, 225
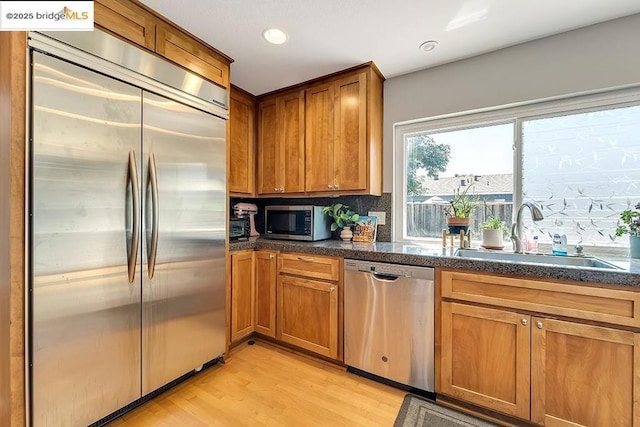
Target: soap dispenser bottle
559, 246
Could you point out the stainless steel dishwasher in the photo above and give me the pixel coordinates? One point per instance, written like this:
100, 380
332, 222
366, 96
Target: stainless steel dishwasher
389, 321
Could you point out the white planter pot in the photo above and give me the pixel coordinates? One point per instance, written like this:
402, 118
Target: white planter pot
634, 246
346, 233
492, 239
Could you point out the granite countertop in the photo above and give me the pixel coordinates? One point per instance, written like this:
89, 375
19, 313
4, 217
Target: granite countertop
434, 255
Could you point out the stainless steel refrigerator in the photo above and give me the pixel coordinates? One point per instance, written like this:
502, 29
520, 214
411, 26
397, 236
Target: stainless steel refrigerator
127, 225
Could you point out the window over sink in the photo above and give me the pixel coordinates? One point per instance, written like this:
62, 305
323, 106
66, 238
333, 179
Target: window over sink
578, 158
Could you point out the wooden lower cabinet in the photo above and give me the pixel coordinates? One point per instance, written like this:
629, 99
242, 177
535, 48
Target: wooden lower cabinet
266, 278
242, 294
485, 357
584, 375
308, 314
551, 372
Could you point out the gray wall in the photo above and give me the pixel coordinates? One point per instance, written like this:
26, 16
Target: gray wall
591, 58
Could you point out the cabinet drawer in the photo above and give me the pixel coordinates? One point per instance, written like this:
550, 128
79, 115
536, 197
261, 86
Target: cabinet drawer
184, 50
326, 268
613, 306
125, 19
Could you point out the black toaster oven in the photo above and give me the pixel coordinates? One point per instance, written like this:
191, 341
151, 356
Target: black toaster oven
239, 228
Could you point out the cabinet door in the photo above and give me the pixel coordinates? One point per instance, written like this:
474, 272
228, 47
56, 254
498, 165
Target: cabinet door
319, 131
268, 148
241, 143
485, 357
126, 20
290, 114
266, 276
308, 314
191, 54
350, 138
584, 375
242, 294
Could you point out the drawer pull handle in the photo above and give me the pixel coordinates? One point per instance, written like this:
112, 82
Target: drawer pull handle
539, 325
524, 322
301, 258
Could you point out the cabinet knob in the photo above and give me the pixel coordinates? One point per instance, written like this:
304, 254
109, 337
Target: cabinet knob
329, 186
336, 186
539, 324
331, 289
524, 322
275, 189
271, 256
282, 189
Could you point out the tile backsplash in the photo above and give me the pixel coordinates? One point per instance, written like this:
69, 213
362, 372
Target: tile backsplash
360, 204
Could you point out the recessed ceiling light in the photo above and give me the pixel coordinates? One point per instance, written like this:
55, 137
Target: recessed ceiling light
274, 35
428, 45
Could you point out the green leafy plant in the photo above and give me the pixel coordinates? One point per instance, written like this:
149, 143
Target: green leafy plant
495, 223
342, 215
462, 204
631, 220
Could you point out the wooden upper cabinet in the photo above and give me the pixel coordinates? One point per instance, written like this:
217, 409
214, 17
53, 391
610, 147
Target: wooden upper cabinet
320, 138
241, 175
350, 138
344, 134
268, 147
291, 115
188, 52
584, 375
281, 144
127, 20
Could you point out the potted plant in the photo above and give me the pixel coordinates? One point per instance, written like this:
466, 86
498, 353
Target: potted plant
459, 210
631, 225
343, 217
493, 230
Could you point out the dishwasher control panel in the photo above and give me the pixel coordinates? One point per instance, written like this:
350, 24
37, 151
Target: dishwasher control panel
389, 269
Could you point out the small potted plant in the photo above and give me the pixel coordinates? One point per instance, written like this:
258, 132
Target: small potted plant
493, 231
459, 210
343, 217
631, 225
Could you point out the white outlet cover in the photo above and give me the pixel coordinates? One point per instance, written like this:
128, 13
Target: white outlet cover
382, 217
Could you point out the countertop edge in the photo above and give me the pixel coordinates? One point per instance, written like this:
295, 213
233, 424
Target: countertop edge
408, 254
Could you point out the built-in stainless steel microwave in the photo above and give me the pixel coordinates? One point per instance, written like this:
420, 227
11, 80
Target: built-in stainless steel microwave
297, 223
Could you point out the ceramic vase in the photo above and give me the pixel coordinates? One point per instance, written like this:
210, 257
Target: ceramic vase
492, 239
634, 246
346, 233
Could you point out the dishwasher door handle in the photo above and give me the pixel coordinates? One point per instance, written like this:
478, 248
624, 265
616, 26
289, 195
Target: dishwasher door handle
386, 277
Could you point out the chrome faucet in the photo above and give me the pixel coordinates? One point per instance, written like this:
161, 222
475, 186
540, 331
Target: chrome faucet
516, 228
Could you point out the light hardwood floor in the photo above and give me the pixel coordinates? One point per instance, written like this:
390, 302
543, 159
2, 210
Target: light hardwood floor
263, 385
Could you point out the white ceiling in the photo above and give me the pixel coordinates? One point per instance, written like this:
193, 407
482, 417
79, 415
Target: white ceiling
330, 35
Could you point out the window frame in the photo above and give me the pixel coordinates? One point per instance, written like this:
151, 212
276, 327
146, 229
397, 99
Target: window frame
512, 113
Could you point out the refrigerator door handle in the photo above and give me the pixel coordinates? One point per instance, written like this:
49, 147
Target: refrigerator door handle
132, 179
153, 247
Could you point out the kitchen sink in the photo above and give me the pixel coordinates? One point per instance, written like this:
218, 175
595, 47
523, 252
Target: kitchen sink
575, 261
